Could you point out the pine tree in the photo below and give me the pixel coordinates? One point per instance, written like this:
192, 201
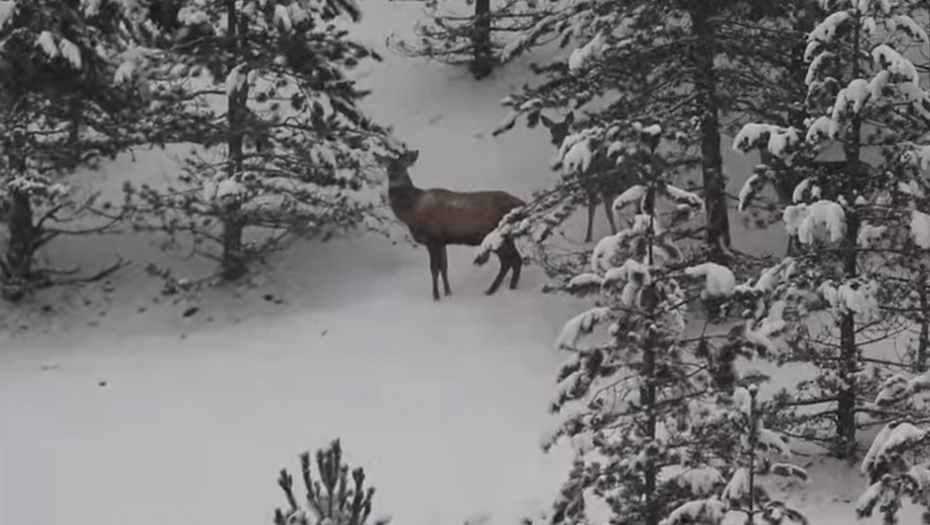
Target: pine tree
648, 402
63, 106
476, 40
681, 61
758, 451
852, 224
331, 500
898, 460
288, 148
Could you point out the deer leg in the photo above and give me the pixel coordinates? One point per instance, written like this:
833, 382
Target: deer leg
444, 269
592, 206
435, 263
609, 208
505, 266
516, 264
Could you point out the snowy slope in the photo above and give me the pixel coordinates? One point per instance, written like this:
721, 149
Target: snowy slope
115, 409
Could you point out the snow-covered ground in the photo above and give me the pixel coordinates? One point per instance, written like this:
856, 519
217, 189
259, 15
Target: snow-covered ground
116, 409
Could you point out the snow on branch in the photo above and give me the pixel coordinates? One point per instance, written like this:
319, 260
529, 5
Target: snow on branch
507, 228
778, 140
580, 325
824, 32
583, 56
633, 194
920, 229
720, 280
703, 511
809, 221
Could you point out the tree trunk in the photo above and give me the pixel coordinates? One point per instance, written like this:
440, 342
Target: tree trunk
718, 222
233, 259
849, 351
923, 340
483, 62
22, 238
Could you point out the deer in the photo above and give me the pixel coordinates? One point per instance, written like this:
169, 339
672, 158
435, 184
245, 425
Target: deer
588, 179
439, 217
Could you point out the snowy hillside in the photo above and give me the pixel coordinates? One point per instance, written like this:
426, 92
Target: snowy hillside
115, 408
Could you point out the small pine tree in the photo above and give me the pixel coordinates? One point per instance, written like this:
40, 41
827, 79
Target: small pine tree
757, 453
330, 500
898, 466
288, 149
473, 40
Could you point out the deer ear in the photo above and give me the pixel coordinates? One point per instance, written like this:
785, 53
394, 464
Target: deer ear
381, 159
570, 118
545, 120
412, 156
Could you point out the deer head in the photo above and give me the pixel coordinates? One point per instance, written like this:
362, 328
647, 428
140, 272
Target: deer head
398, 165
558, 130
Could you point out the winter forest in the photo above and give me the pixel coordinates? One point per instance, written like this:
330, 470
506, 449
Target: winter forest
465, 262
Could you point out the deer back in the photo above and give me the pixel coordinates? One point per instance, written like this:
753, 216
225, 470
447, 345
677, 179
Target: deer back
461, 217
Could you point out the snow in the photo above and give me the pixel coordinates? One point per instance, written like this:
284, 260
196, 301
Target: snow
752, 186
71, 52
738, 487
700, 481
823, 127
105, 409
684, 196
47, 42
720, 280
282, 17
703, 511
235, 79
581, 325
192, 15
869, 235
577, 154
825, 31
911, 27
6, 11
811, 221
590, 52
633, 194
856, 93
920, 229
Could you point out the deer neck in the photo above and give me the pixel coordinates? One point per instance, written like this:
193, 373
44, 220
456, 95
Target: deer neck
403, 196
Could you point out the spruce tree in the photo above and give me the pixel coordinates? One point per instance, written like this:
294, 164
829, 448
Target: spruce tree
853, 227
647, 394
64, 105
681, 61
477, 40
288, 152
757, 453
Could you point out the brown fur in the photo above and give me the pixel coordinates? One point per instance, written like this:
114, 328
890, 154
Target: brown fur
439, 217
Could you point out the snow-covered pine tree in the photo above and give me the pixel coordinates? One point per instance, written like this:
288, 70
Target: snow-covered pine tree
476, 40
331, 499
853, 224
758, 452
672, 61
646, 397
289, 148
898, 460
63, 106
